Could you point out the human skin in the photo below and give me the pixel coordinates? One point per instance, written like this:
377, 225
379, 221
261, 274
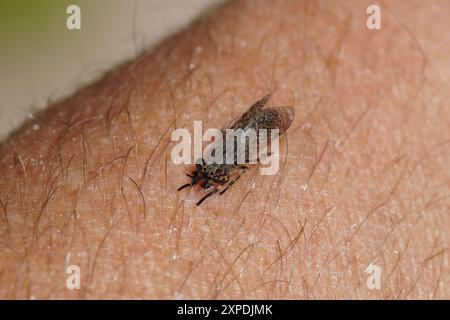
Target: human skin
364, 175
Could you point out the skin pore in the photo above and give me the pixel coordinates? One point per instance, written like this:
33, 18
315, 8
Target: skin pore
364, 173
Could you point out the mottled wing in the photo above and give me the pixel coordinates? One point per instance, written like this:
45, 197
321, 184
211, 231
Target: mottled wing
247, 120
249, 116
272, 118
275, 118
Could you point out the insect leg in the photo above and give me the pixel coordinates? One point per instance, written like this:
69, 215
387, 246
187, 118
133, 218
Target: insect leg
234, 180
194, 177
206, 196
230, 184
184, 186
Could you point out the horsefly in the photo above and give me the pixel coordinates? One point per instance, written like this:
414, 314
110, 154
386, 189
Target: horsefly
211, 174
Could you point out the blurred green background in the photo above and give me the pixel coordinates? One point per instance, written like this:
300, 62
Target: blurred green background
42, 61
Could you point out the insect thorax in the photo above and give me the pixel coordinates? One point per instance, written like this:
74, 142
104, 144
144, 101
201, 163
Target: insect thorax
215, 172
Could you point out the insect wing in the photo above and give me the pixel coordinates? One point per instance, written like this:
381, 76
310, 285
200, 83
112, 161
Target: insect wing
247, 120
250, 114
249, 142
273, 118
